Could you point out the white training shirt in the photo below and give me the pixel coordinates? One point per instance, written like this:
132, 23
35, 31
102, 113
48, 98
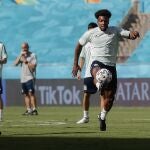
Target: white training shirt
104, 43
3, 55
26, 74
86, 54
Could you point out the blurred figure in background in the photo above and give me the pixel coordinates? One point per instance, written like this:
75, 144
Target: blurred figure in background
3, 60
28, 62
89, 87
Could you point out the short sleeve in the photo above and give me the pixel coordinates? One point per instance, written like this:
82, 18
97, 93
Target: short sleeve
84, 38
123, 33
33, 59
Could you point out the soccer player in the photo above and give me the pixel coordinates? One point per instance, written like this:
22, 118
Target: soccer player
28, 62
89, 87
3, 60
104, 40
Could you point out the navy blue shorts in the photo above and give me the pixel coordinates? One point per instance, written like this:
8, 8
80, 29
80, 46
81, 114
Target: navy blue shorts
113, 84
1, 87
89, 86
28, 87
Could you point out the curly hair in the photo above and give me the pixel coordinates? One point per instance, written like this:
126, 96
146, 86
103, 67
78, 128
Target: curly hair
103, 12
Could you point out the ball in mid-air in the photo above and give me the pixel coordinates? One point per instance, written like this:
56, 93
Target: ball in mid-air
104, 75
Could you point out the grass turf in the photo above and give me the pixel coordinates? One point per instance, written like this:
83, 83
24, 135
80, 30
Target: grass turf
56, 128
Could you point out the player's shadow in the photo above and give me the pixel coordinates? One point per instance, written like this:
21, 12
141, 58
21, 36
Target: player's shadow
69, 143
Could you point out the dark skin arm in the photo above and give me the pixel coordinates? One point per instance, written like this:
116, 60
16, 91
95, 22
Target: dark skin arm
133, 35
76, 67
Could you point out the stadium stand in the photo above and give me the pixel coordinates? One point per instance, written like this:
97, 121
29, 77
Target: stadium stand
142, 52
135, 55
137, 65
52, 29
25, 2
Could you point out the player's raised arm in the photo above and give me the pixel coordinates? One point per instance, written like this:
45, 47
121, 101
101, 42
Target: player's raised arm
133, 35
76, 67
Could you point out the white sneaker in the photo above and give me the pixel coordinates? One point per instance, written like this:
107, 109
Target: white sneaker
83, 120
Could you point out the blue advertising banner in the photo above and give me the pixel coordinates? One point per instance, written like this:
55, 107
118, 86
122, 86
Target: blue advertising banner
65, 92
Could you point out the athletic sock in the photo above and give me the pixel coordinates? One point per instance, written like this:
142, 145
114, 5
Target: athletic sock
103, 114
33, 108
29, 110
85, 114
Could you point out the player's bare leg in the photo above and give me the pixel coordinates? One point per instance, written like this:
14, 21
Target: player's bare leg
106, 102
85, 105
33, 104
27, 104
86, 101
106, 99
94, 71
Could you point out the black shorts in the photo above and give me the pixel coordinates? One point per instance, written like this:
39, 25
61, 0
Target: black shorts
28, 87
89, 86
1, 87
113, 84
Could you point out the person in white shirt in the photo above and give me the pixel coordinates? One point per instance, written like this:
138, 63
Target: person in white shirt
104, 40
3, 60
28, 62
89, 87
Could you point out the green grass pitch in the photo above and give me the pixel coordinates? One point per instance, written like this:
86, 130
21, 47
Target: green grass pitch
55, 128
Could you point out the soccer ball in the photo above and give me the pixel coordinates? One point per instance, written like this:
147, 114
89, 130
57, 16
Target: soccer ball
104, 76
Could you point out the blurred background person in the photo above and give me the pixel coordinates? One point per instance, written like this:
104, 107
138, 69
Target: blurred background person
89, 87
28, 62
3, 60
